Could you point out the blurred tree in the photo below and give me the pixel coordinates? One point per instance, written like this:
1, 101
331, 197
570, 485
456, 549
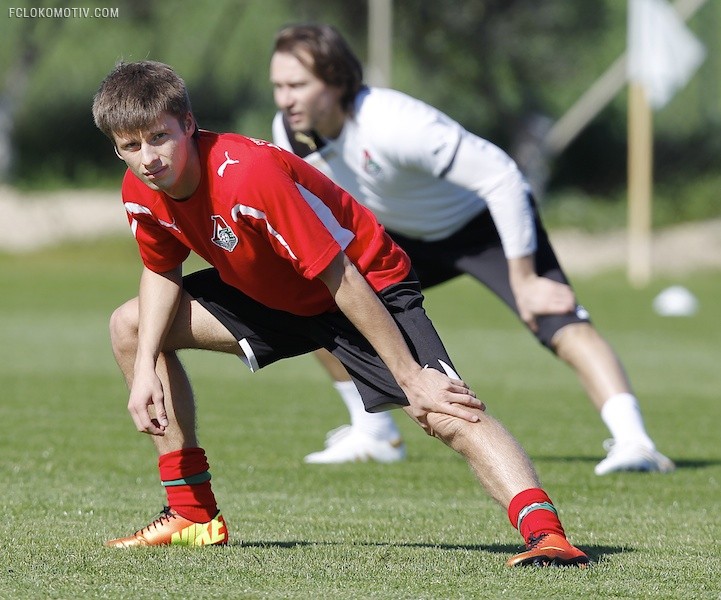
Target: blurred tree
27, 40
506, 69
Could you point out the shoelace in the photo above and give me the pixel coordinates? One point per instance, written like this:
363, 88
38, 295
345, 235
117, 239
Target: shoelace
165, 515
535, 540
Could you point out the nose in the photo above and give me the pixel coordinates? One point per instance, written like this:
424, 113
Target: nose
148, 154
283, 98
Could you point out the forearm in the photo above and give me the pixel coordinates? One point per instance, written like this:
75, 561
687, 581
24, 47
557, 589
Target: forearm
361, 305
158, 300
427, 390
521, 269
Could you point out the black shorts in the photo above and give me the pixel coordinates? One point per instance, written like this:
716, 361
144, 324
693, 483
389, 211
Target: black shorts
266, 335
476, 250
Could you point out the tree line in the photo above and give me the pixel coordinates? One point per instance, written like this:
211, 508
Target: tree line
506, 69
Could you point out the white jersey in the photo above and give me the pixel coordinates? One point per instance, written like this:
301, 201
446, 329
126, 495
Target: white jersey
421, 173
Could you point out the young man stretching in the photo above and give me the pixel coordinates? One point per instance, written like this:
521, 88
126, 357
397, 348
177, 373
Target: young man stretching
456, 204
297, 265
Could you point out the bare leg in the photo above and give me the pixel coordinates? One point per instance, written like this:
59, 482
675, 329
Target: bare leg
507, 474
498, 461
371, 436
331, 364
191, 516
605, 381
594, 361
193, 327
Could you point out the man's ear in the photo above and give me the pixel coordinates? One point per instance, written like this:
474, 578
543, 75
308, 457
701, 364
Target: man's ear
189, 123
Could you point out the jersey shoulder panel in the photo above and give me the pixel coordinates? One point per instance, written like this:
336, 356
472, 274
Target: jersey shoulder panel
408, 131
234, 163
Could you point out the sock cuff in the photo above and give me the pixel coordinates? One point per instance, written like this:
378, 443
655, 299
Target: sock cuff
535, 506
183, 464
191, 480
525, 499
625, 399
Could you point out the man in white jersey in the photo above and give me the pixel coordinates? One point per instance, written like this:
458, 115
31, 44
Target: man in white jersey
457, 204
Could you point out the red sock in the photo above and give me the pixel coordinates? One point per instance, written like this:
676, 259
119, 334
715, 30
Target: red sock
186, 478
536, 513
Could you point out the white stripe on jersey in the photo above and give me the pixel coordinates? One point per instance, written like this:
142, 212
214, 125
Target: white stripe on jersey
249, 211
134, 208
137, 209
340, 234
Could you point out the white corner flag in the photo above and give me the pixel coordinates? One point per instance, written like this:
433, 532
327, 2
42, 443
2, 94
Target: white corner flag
662, 53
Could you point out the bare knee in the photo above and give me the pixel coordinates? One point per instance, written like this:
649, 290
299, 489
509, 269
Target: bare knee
452, 431
124, 328
574, 338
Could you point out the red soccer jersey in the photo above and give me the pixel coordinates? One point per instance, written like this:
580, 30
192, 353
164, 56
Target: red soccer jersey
268, 221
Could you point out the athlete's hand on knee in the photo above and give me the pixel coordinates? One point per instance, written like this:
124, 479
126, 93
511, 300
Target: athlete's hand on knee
433, 391
146, 393
543, 296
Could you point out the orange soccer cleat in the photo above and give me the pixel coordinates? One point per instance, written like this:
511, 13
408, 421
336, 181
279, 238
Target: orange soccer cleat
549, 550
172, 529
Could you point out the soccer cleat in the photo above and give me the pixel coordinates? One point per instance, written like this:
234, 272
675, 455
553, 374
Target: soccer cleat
549, 550
346, 444
336, 435
170, 529
632, 457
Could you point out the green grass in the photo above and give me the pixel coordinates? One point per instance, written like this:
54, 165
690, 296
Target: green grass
74, 472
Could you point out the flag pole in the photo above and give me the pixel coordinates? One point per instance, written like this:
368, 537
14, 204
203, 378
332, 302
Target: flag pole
380, 40
640, 185
662, 56
602, 91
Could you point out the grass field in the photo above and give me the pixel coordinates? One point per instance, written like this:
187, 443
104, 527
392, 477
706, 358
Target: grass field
74, 472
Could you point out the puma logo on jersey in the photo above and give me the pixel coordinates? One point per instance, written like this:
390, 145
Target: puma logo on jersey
169, 225
223, 235
228, 161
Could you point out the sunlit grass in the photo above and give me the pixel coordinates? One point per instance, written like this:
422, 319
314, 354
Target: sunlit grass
75, 472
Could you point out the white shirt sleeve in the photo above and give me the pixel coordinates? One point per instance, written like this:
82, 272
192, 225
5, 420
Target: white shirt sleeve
483, 167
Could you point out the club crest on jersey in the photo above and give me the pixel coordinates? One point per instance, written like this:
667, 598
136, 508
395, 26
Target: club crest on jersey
369, 165
223, 235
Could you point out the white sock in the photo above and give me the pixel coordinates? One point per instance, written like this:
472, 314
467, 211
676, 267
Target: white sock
622, 416
379, 425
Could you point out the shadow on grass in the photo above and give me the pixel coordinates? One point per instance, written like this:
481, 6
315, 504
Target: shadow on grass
680, 464
595, 553
696, 464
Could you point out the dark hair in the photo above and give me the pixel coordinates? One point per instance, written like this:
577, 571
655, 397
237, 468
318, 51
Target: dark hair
331, 58
133, 96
